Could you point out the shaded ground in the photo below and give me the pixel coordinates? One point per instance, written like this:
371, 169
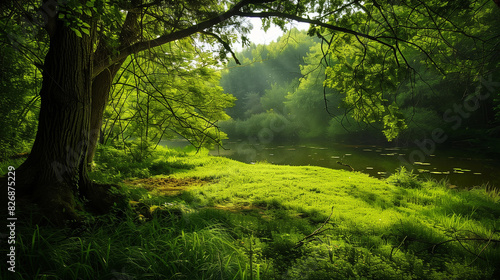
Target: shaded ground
168, 186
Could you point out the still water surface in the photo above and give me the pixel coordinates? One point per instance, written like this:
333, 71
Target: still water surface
459, 167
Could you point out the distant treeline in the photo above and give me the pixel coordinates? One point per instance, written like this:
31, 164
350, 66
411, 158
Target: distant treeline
298, 88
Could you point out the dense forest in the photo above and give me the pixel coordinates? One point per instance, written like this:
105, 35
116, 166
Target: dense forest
91, 90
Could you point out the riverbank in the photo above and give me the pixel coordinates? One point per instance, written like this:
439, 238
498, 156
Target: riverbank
462, 167
198, 216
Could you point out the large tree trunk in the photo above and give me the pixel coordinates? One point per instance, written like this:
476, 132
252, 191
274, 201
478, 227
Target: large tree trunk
54, 176
55, 168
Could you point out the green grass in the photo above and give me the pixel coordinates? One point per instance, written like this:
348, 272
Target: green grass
248, 220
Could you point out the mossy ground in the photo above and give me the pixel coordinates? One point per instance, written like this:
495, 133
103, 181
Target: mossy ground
223, 219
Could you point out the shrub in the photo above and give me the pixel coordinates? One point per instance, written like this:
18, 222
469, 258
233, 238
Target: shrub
405, 179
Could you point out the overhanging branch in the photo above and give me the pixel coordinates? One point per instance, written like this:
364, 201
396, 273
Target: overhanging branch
140, 46
224, 43
316, 22
234, 11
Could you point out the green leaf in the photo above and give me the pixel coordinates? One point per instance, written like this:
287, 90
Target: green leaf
86, 31
77, 32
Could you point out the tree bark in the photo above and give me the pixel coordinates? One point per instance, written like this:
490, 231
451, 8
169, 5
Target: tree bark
55, 174
100, 96
55, 168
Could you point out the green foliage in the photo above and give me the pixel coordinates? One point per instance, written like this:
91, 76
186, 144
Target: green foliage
124, 248
19, 102
114, 165
72, 12
374, 76
272, 86
173, 94
394, 123
267, 126
421, 122
275, 97
364, 73
173, 89
267, 73
404, 179
307, 104
4, 165
396, 79
345, 128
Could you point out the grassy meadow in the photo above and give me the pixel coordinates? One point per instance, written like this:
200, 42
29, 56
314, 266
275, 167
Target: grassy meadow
194, 216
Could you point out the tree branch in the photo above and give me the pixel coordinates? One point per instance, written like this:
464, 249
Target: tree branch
224, 43
316, 22
316, 232
140, 46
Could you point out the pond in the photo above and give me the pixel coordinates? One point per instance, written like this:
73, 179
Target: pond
459, 167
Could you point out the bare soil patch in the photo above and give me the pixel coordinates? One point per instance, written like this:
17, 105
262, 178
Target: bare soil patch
168, 186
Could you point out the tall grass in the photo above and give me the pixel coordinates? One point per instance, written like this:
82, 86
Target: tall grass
162, 248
